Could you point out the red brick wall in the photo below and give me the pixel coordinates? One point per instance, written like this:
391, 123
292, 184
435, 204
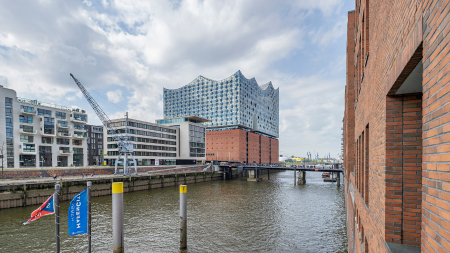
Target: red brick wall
253, 147
386, 179
274, 150
227, 144
436, 127
265, 149
233, 143
349, 129
403, 169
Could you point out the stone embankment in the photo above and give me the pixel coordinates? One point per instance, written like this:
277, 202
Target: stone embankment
24, 192
97, 170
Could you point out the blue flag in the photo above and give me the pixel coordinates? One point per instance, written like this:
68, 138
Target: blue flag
78, 214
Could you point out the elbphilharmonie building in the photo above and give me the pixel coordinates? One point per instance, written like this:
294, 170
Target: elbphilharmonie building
232, 103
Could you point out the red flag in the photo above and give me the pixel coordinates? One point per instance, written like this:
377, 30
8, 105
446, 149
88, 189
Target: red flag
46, 208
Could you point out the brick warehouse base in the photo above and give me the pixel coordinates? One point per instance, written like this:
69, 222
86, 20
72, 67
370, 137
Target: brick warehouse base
241, 146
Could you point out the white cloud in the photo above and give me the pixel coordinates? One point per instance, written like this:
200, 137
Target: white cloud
88, 3
147, 45
114, 96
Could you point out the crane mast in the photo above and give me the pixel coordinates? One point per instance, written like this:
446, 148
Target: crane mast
123, 142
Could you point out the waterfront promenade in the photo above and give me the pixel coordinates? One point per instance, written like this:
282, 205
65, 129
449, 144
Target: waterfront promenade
31, 191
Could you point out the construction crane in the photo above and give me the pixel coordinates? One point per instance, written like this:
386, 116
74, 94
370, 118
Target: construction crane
123, 141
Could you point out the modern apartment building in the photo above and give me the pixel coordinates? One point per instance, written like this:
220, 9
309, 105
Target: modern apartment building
39, 134
396, 126
192, 141
234, 103
153, 144
94, 144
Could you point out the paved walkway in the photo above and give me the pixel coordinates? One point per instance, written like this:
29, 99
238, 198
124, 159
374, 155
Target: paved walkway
103, 176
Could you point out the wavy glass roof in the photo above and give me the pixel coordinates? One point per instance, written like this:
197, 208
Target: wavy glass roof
233, 101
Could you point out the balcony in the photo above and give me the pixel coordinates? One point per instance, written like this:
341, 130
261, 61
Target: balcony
80, 129
77, 120
64, 135
47, 134
26, 131
64, 152
79, 136
63, 126
28, 112
25, 151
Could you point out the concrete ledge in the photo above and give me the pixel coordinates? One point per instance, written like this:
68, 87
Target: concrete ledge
393, 247
79, 171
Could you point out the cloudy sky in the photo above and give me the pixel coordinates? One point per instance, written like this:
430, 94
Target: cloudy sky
126, 51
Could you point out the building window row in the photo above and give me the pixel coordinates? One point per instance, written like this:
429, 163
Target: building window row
146, 140
143, 126
145, 133
142, 153
150, 147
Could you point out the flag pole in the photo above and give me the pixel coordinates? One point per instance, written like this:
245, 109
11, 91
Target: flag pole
56, 201
89, 214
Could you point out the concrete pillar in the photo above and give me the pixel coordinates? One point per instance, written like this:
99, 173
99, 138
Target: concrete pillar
338, 179
301, 177
253, 176
295, 175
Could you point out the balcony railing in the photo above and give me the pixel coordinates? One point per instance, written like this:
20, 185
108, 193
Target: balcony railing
77, 120
63, 126
79, 136
27, 112
64, 152
64, 135
48, 134
27, 151
26, 131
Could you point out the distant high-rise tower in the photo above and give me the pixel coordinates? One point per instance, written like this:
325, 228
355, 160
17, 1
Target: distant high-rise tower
232, 103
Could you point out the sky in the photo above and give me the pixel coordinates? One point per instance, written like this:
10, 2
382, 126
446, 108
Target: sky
126, 51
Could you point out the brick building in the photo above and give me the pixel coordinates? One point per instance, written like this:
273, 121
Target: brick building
396, 126
242, 146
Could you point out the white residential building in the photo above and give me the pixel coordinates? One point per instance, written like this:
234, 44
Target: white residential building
159, 144
39, 134
192, 135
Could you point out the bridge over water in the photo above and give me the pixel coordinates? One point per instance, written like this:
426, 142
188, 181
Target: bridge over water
300, 177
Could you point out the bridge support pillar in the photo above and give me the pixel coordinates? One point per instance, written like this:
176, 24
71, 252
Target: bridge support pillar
253, 176
301, 177
338, 179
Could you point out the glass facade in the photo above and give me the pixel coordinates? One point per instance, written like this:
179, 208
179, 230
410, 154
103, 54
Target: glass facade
60, 115
28, 109
9, 133
26, 119
49, 125
196, 141
43, 112
79, 117
234, 101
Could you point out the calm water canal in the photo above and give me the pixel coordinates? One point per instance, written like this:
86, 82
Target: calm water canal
223, 216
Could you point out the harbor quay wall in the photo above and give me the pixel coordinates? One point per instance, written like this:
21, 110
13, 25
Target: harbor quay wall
19, 193
79, 171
